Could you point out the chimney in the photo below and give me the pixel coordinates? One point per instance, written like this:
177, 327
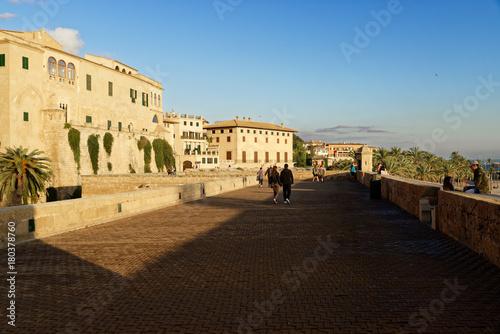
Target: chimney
249, 119
282, 125
237, 117
244, 118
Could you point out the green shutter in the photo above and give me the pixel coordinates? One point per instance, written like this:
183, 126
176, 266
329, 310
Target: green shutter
2, 60
88, 119
26, 117
147, 100
109, 125
119, 126
131, 93
25, 63
110, 88
89, 82
135, 94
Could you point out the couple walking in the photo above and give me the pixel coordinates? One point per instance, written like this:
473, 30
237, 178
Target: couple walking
284, 179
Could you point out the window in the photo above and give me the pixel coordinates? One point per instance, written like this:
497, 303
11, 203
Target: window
215, 160
159, 104
254, 131
228, 155
241, 131
260, 132
228, 140
26, 117
88, 119
267, 140
61, 68
154, 98
185, 123
244, 156
221, 131
230, 130
89, 82
272, 133
109, 125
190, 123
248, 131
277, 156
52, 66
278, 141
283, 134
133, 94
197, 124
255, 140
217, 139
155, 119
145, 98
267, 156
119, 126
243, 138
286, 156
25, 63
255, 156
266, 132
2, 60
286, 142
110, 88
213, 131
203, 160
71, 71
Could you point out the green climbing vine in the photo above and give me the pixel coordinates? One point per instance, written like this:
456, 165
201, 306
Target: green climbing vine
108, 142
74, 144
164, 156
93, 145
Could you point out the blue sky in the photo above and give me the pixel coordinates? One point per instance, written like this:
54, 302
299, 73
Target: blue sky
386, 73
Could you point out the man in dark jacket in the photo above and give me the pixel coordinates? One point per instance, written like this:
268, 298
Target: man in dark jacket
286, 178
481, 185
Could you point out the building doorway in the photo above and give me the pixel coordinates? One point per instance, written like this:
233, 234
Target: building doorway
187, 165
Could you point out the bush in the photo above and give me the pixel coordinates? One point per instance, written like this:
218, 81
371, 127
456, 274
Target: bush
74, 144
108, 142
110, 166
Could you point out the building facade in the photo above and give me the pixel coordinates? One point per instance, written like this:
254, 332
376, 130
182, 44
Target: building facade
248, 144
190, 143
43, 88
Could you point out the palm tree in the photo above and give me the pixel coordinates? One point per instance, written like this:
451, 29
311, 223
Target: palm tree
415, 154
381, 155
26, 172
396, 152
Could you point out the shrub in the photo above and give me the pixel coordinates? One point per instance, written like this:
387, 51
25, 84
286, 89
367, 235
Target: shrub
110, 166
108, 142
74, 144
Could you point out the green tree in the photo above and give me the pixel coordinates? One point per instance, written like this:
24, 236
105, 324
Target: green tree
93, 147
299, 151
26, 172
381, 155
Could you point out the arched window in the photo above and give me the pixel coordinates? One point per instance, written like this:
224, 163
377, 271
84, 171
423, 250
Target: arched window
52, 66
71, 71
159, 101
124, 71
155, 99
61, 68
155, 120
117, 68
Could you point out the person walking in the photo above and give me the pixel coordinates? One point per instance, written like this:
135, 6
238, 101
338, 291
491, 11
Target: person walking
260, 177
321, 172
286, 178
268, 174
275, 182
353, 172
315, 172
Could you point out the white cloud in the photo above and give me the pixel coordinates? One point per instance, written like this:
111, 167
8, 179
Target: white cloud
68, 38
6, 16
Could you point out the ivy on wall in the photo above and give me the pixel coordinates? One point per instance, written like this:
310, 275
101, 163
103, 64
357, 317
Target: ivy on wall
147, 157
93, 145
74, 144
108, 142
164, 156
110, 166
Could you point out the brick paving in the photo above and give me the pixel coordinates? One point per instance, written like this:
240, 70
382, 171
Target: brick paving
332, 262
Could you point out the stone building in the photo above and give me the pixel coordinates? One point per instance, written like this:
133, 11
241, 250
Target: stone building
44, 90
190, 143
245, 143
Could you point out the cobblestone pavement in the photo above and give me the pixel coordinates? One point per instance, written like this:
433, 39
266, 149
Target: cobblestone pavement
333, 261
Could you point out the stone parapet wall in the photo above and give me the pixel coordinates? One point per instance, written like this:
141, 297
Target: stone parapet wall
62, 216
471, 219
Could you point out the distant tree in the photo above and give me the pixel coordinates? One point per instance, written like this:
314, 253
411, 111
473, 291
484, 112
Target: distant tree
299, 152
26, 172
381, 155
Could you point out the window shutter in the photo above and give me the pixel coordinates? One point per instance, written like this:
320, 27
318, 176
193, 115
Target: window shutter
147, 100
2, 60
89, 82
131, 93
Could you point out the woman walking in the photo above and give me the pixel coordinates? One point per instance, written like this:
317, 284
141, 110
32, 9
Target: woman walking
260, 177
274, 181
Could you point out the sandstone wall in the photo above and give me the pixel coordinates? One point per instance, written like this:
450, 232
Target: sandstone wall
473, 220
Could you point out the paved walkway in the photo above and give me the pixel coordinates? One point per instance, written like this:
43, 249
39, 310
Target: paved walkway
332, 262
